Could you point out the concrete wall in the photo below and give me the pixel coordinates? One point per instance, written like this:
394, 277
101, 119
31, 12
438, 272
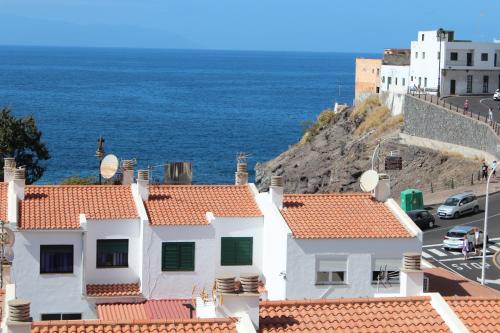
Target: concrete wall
360, 255
424, 119
394, 101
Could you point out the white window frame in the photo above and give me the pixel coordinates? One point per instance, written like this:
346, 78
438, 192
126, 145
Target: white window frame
331, 264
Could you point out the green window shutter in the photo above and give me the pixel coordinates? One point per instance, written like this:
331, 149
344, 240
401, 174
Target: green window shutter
177, 256
236, 251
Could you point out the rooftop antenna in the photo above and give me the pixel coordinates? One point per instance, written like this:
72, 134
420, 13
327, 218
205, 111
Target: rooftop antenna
109, 166
242, 157
369, 180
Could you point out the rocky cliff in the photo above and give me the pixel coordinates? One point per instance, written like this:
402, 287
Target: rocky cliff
337, 149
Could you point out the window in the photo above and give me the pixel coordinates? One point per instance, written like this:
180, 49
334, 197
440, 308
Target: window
423, 55
486, 79
454, 56
236, 251
56, 259
389, 80
439, 55
484, 56
416, 55
404, 82
383, 79
61, 316
423, 37
469, 84
331, 271
177, 256
377, 90
411, 79
378, 71
419, 81
425, 82
396, 81
112, 253
386, 271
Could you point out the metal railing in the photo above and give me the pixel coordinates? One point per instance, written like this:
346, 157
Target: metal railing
477, 115
452, 183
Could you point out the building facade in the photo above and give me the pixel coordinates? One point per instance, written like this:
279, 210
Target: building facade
463, 67
367, 79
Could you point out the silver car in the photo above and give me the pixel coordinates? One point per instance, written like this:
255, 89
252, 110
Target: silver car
457, 205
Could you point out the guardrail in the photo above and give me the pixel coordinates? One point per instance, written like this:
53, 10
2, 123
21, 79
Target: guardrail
452, 183
495, 126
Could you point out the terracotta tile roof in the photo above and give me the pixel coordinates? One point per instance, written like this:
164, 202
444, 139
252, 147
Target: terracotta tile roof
3, 201
151, 309
188, 204
394, 314
59, 207
451, 284
113, 290
339, 215
480, 315
215, 325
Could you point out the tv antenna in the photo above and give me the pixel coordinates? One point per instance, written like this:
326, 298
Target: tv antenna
242, 157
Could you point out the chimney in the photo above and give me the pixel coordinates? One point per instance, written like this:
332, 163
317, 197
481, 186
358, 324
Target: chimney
9, 164
143, 184
128, 172
383, 190
18, 182
241, 175
411, 276
276, 191
19, 320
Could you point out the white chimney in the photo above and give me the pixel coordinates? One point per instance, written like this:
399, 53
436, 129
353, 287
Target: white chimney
143, 184
383, 190
18, 182
128, 172
411, 276
9, 164
241, 175
276, 191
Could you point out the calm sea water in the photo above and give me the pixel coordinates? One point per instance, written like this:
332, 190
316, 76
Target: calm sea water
164, 105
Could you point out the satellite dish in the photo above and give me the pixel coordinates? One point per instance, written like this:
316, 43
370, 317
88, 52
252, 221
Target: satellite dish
109, 166
369, 180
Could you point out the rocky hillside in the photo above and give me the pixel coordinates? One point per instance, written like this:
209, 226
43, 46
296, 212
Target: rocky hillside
337, 149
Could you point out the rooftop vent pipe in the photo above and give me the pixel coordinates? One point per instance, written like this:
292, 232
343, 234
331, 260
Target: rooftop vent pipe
128, 172
9, 164
19, 310
241, 176
276, 191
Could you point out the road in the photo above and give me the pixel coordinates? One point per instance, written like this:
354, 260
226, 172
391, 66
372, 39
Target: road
454, 260
477, 104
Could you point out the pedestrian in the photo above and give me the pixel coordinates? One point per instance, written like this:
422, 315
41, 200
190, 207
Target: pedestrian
493, 167
490, 115
471, 242
476, 241
465, 247
466, 105
484, 169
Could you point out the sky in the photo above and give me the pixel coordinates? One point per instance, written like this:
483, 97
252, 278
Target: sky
275, 25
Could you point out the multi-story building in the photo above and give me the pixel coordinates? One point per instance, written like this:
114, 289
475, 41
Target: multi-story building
395, 70
367, 80
78, 246
463, 67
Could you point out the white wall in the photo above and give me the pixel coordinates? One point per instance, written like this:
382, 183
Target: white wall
302, 261
399, 77
109, 229
49, 293
460, 77
276, 233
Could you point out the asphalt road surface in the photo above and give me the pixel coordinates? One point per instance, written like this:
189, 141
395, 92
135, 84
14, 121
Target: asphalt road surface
477, 104
454, 260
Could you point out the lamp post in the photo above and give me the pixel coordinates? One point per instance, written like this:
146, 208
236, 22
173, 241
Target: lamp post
99, 153
440, 35
485, 230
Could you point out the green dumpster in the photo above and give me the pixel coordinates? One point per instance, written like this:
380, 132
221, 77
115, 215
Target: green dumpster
412, 199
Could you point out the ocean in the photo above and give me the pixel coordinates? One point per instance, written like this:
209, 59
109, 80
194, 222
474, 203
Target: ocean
157, 105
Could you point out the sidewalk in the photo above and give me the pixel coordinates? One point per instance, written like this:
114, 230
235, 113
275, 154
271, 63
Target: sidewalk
479, 189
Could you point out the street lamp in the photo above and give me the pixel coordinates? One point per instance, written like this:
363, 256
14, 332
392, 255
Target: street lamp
440, 34
485, 230
99, 153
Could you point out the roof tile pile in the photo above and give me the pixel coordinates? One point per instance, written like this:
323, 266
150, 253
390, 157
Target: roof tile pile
480, 315
339, 215
113, 290
188, 204
409, 314
3, 201
150, 309
59, 207
215, 325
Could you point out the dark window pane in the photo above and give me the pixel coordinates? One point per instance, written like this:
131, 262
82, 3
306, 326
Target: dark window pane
56, 259
112, 253
51, 316
71, 316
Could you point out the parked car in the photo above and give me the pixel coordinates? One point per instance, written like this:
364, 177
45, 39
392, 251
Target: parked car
496, 95
454, 238
458, 204
422, 218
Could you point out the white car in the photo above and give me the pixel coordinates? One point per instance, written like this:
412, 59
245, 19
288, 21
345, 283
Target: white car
496, 95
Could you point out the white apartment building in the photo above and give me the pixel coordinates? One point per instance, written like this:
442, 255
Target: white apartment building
395, 72
79, 246
464, 67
